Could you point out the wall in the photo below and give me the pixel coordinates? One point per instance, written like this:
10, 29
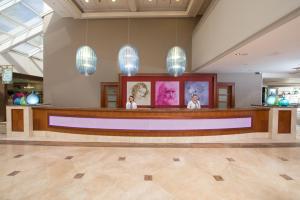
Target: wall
64, 86
228, 24
247, 88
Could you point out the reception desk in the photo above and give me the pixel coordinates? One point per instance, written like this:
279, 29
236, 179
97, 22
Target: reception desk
142, 122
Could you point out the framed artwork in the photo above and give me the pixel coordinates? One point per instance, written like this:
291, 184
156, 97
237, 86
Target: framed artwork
141, 90
200, 88
167, 93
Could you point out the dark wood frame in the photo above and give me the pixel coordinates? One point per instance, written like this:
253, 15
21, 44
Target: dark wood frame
227, 84
103, 95
211, 78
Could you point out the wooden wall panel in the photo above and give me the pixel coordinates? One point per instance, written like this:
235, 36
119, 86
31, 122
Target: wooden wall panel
259, 120
17, 116
284, 121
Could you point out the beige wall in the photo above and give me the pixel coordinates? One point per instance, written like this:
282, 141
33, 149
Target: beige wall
228, 24
64, 86
248, 87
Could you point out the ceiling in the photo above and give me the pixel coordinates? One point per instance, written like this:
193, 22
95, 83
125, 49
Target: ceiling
277, 51
84, 9
140, 5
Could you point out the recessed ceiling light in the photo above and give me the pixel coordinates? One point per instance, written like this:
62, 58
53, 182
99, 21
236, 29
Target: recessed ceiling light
241, 54
86, 1
113, 0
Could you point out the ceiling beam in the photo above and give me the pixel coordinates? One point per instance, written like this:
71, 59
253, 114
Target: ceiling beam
154, 14
10, 44
65, 8
132, 5
194, 7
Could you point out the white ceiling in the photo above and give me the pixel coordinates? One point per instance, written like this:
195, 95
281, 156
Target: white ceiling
124, 5
278, 51
128, 8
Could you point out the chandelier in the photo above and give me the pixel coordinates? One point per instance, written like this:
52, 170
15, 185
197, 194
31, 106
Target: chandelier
176, 61
128, 60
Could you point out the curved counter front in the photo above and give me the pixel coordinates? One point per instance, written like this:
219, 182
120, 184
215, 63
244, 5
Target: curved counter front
150, 122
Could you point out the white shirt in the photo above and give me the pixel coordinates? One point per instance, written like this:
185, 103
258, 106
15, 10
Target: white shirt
131, 105
192, 105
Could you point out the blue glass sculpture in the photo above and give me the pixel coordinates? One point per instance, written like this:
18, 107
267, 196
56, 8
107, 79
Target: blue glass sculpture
17, 101
129, 61
283, 102
271, 100
32, 99
86, 60
176, 61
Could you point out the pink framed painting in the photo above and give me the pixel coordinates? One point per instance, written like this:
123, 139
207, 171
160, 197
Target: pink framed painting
167, 93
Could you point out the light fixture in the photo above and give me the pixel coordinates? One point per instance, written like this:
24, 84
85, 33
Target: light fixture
241, 54
128, 60
113, 0
128, 57
86, 58
176, 59
86, 1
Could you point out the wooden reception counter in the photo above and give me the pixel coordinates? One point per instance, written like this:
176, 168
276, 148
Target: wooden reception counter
141, 122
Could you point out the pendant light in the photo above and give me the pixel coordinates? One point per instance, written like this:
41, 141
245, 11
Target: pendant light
86, 58
128, 58
176, 58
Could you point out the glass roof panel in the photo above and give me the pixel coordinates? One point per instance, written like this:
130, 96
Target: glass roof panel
38, 5
25, 48
36, 41
22, 14
39, 55
3, 37
9, 26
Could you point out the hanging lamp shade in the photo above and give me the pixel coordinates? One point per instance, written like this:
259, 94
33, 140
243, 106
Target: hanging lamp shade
176, 61
86, 60
129, 61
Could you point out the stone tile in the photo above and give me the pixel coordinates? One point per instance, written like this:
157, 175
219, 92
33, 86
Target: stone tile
122, 158
218, 178
286, 177
69, 157
13, 173
78, 175
148, 177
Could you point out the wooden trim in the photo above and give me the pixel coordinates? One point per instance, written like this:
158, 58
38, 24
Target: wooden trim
259, 120
232, 86
284, 121
26, 76
102, 93
17, 120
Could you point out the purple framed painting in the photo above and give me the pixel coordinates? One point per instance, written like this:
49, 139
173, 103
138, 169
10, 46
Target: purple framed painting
167, 93
200, 88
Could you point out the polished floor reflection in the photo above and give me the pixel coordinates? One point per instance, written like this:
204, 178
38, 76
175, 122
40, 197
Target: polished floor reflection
58, 172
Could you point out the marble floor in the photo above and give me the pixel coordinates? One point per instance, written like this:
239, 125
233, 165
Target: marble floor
105, 173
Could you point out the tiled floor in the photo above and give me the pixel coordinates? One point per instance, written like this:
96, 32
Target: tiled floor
105, 173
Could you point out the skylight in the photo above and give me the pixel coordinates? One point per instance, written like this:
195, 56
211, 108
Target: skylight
21, 24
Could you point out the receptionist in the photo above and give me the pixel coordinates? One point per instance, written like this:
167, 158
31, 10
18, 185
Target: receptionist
194, 103
131, 104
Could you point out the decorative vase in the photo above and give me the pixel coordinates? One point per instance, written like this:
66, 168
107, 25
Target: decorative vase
271, 100
32, 99
284, 102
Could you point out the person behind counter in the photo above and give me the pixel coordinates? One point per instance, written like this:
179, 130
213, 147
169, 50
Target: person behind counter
194, 103
131, 104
